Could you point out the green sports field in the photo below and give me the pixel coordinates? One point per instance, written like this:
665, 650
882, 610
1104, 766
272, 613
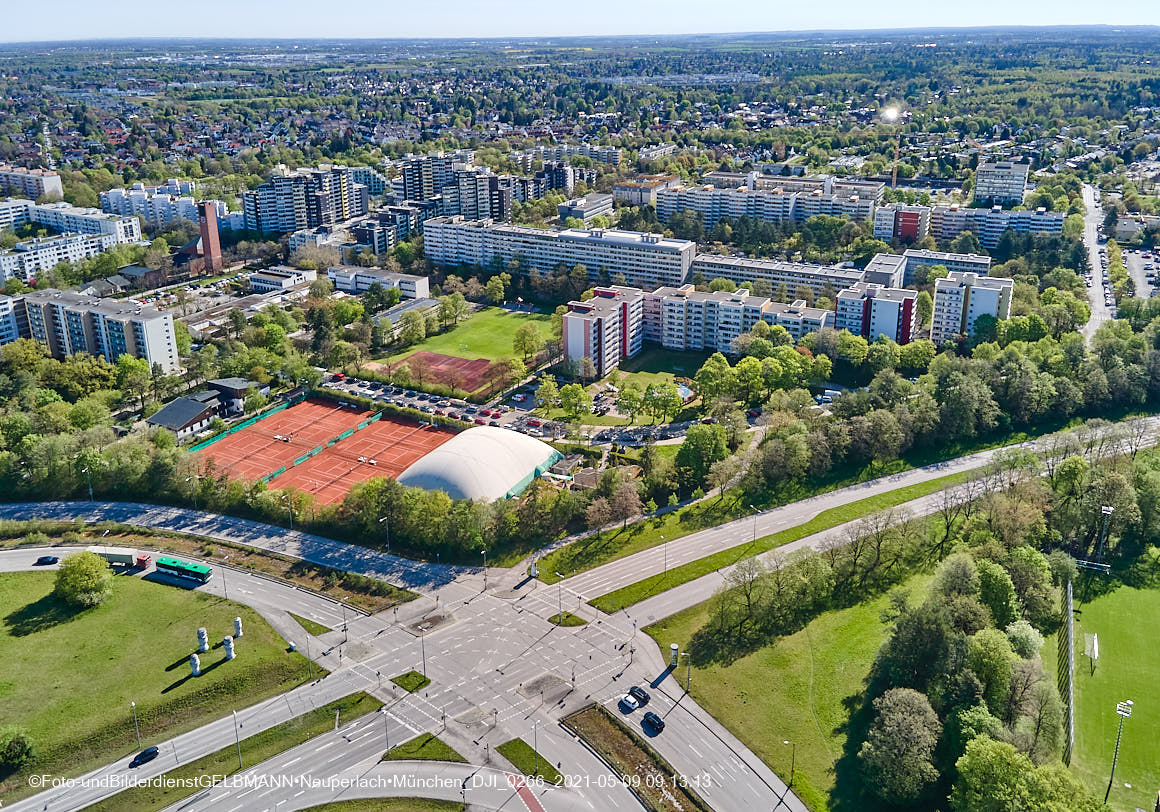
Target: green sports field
487, 333
1126, 620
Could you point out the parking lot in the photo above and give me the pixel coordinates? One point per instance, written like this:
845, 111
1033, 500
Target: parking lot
1141, 265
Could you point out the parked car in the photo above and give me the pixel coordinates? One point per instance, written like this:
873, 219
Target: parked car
640, 694
47, 561
652, 720
628, 703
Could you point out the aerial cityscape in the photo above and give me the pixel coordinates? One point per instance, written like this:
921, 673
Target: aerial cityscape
480, 411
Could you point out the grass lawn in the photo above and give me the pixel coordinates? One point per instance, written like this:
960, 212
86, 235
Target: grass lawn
795, 689
525, 759
1126, 620
630, 755
389, 805
311, 627
255, 750
425, 747
68, 678
567, 619
411, 681
487, 333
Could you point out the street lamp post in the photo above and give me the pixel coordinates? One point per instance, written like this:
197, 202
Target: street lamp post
484, 551
423, 648
196, 479
386, 726
90, 478
225, 586
289, 510
1124, 710
536, 743
560, 598
688, 670
665, 547
792, 759
238, 739
136, 729
387, 531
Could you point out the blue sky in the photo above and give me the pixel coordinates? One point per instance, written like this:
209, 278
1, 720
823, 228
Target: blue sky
83, 19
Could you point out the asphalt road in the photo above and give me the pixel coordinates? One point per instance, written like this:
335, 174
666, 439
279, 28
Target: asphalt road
1100, 311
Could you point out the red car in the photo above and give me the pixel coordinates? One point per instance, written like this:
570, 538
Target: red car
534, 423
485, 412
479, 421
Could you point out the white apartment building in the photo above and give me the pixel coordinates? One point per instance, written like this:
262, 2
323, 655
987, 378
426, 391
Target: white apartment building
947, 222
643, 191
280, 277
68, 323
647, 261
818, 279
31, 257
157, 208
684, 318
962, 297
1000, 182
355, 280
775, 205
605, 328
919, 258
871, 310
68, 219
585, 208
304, 198
31, 183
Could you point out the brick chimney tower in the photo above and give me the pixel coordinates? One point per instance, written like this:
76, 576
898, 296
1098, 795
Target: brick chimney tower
211, 246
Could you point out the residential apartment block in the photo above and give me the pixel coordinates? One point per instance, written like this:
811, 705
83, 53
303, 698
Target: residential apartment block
28, 258
819, 280
683, 318
947, 222
647, 261
304, 198
68, 323
156, 208
871, 310
643, 191
898, 222
961, 298
604, 329
1000, 183
352, 279
774, 205
31, 183
66, 219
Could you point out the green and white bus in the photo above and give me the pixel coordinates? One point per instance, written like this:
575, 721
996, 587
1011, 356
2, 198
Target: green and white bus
184, 569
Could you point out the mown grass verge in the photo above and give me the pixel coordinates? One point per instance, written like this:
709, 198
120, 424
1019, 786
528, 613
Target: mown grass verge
526, 760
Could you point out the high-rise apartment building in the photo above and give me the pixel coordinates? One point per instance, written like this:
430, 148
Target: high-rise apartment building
29, 258
304, 198
898, 222
66, 219
1000, 183
156, 208
775, 205
67, 323
961, 298
871, 310
604, 329
791, 278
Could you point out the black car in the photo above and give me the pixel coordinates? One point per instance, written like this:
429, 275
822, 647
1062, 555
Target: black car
145, 756
47, 560
640, 694
653, 721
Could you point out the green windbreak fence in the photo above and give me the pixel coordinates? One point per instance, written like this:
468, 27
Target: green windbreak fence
273, 474
245, 424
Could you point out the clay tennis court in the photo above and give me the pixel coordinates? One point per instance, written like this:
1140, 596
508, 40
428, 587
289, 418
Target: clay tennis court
464, 374
255, 451
392, 442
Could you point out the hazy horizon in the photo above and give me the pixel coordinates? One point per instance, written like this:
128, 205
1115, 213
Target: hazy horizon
79, 21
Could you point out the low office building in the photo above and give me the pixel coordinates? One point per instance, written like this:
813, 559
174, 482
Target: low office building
585, 208
646, 261
280, 277
819, 280
352, 279
67, 323
604, 329
871, 311
961, 298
